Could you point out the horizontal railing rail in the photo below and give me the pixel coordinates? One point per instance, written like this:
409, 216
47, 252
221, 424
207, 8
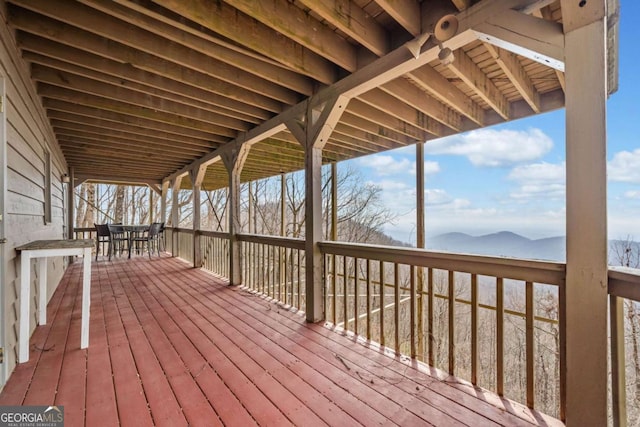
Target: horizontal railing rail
285, 242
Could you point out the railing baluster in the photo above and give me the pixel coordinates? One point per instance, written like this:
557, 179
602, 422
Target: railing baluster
420, 308
355, 295
368, 298
299, 281
396, 303
382, 281
412, 310
474, 329
345, 272
500, 336
334, 296
430, 313
530, 312
452, 314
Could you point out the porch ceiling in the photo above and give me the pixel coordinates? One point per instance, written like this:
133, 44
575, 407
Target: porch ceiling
139, 90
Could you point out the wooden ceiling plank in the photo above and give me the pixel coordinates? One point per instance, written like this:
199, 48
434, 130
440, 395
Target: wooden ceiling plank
45, 27
96, 22
405, 12
546, 13
472, 76
207, 46
517, 75
45, 52
61, 109
225, 20
354, 21
129, 95
55, 92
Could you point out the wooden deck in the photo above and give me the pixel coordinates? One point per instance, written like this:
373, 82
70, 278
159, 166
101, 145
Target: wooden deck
173, 345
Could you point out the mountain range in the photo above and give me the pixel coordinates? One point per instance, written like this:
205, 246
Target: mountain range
504, 243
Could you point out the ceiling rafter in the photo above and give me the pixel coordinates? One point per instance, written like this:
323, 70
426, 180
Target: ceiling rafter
354, 21
405, 12
225, 20
130, 96
46, 52
207, 46
71, 36
472, 76
517, 75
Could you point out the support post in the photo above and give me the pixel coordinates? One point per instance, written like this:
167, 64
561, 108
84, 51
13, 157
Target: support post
197, 176
234, 161
163, 201
151, 213
313, 133
584, 303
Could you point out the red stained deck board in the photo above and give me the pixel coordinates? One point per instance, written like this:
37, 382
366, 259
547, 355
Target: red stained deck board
172, 345
424, 413
233, 339
317, 392
157, 360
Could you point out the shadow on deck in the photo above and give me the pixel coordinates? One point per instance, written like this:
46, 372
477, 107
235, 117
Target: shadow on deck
173, 345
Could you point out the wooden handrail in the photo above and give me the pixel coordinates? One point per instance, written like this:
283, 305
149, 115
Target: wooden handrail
285, 242
624, 282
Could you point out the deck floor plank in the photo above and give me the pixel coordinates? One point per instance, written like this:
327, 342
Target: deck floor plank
172, 345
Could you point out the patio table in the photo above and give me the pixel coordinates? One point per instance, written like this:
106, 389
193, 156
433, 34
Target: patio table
43, 249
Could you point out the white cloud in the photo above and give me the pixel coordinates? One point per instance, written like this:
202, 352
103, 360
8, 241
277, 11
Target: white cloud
625, 167
494, 148
632, 194
385, 165
539, 181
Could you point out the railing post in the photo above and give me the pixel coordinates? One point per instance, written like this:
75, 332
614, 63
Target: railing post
313, 133
234, 161
584, 329
71, 220
175, 214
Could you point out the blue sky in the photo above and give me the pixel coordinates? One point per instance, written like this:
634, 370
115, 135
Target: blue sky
478, 183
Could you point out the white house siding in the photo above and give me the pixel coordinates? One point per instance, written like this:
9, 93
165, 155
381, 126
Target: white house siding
29, 136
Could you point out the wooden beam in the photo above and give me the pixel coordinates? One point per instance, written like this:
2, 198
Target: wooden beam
517, 75
461, 4
405, 12
475, 78
225, 20
349, 18
534, 38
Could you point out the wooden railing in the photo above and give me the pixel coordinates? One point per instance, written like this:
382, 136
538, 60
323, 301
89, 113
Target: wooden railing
214, 247
274, 266
624, 291
490, 320
460, 313
181, 241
